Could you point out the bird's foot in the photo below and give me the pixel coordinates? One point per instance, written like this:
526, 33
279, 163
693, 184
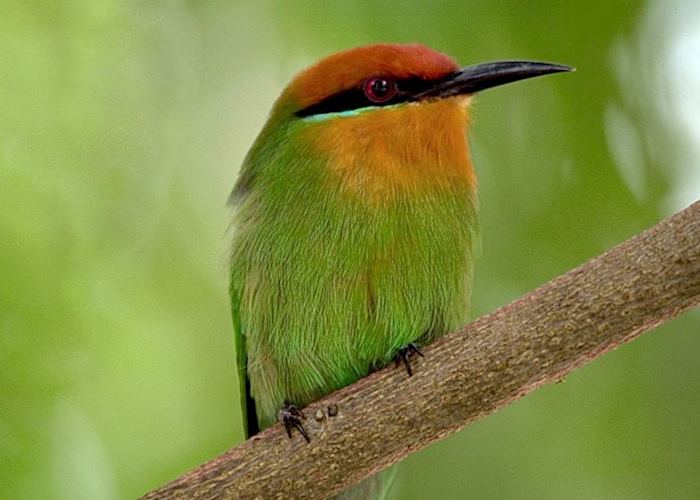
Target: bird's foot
291, 417
404, 355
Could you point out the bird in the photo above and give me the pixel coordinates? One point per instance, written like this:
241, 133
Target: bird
355, 225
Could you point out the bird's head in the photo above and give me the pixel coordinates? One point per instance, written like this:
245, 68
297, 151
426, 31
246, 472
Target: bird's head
390, 115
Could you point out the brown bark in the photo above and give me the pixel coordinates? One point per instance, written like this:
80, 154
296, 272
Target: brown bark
468, 374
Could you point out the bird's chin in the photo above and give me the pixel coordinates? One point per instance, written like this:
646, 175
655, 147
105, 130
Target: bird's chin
462, 100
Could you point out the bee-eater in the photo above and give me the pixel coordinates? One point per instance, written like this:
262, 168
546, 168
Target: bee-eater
355, 223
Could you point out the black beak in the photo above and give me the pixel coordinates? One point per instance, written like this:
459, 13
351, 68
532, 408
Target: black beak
483, 76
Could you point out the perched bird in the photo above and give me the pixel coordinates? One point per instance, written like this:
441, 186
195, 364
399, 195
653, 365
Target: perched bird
355, 223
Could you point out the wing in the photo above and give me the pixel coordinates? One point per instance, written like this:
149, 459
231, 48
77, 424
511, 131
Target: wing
263, 152
250, 419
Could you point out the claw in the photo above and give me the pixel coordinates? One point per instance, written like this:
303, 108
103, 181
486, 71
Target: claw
404, 354
291, 417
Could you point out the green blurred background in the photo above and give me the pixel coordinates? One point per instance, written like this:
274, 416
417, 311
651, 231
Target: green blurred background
122, 126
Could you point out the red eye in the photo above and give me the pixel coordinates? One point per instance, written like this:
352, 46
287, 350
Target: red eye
379, 90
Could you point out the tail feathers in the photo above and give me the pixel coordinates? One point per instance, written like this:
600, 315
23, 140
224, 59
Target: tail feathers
252, 427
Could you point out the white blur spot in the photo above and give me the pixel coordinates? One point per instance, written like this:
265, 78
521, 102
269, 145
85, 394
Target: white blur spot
626, 147
671, 36
684, 80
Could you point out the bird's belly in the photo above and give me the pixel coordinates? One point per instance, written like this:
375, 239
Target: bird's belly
322, 325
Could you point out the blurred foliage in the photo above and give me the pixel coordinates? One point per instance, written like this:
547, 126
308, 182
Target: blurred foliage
122, 125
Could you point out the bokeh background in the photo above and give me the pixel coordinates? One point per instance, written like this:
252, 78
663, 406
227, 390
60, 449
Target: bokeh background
122, 126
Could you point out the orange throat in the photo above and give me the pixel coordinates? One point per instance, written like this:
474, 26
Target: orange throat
380, 153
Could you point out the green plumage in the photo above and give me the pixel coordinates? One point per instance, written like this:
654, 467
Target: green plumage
327, 286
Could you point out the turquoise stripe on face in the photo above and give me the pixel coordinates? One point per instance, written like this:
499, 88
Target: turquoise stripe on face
349, 112
338, 114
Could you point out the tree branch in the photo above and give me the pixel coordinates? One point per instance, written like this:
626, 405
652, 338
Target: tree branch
468, 374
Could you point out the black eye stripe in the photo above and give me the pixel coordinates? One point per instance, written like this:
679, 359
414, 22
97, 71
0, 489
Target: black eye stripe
355, 97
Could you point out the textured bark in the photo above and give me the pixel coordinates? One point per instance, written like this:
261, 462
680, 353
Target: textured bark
468, 374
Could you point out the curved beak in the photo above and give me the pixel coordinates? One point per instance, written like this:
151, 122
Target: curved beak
483, 76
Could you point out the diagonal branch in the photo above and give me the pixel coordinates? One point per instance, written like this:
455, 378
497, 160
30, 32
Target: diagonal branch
468, 374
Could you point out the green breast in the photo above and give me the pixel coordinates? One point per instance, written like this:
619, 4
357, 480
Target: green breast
331, 286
